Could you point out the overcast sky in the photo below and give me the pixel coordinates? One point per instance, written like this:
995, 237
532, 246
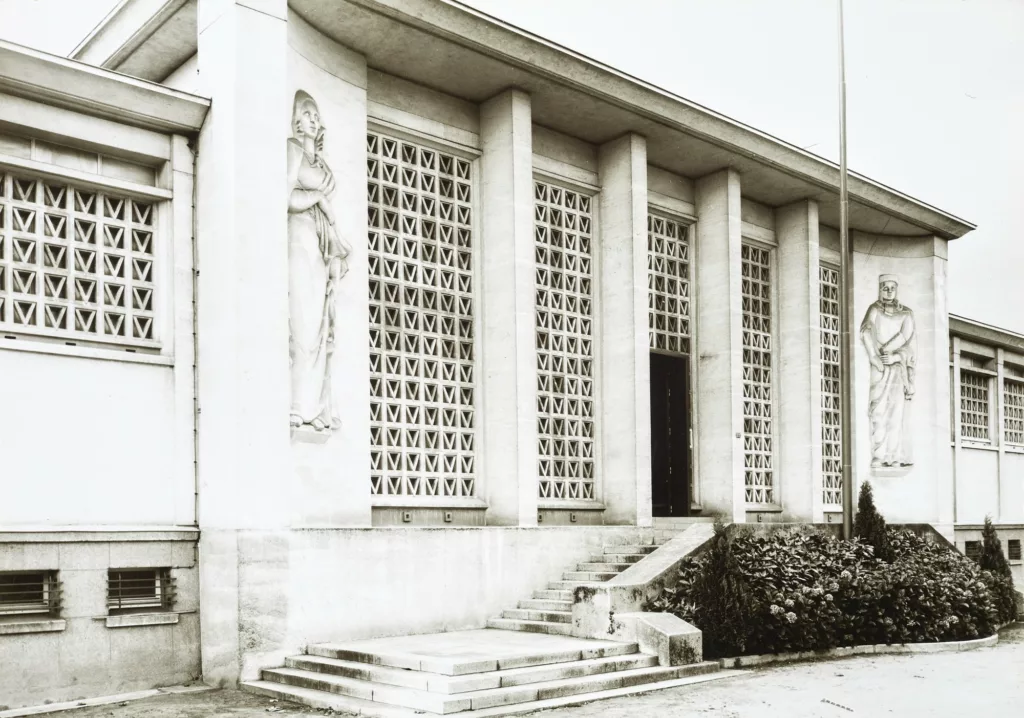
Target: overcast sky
935, 93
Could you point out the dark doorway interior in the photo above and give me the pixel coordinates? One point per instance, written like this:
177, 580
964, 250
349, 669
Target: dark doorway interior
670, 434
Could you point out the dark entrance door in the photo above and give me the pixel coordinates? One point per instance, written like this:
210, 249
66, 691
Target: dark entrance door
670, 434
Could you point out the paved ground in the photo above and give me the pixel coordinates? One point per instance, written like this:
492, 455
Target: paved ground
986, 683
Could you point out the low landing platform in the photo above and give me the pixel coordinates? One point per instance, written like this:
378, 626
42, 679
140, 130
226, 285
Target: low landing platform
479, 651
485, 672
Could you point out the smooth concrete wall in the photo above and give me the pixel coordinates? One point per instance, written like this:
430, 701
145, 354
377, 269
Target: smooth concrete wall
86, 658
408, 97
670, 191
89, 441
757, 214
308, 586
1011, 487
923, 492
563, 148
977, 485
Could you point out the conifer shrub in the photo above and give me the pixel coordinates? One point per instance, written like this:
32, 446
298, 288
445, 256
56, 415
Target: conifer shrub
799, 590
1000, 579
869, 526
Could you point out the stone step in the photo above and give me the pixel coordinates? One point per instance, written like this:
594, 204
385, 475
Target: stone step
628, 558
593, 576
515, 624
546, 616
615, 568
355, 706
557, 666
550, 595
537, 604
476, 700
632, 549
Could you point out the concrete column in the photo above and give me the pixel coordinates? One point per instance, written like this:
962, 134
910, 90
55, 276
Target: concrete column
508, 340
997, 397
625, 367
798, 472
718, 420
243, 304
945, 486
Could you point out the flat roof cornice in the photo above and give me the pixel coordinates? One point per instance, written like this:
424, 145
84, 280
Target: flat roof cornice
985, 333
494, 38
74, 85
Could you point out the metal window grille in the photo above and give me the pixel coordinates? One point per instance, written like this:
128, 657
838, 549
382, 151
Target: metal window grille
422, 371
75, 262
668, 285
30, 593
565, 336
137, 589
1013, 411
758, 455
831, 416
1013, 549
972, 549
974, 405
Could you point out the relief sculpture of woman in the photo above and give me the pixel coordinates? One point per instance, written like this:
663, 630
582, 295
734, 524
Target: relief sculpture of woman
316, 262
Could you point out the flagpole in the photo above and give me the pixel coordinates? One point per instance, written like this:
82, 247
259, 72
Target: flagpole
845, 302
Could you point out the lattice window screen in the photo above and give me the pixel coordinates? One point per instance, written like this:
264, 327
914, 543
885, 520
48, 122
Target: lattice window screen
668, 285
758, 457
422, 370
974, 405
831, 417
1013, 411
76, 262
565, 336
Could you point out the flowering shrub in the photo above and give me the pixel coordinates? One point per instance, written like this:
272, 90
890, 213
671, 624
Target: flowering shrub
798, 591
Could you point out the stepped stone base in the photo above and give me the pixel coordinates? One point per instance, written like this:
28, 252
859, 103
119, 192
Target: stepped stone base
476, 673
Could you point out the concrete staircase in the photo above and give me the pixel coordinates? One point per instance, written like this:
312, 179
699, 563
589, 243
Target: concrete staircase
550, 610
508, 673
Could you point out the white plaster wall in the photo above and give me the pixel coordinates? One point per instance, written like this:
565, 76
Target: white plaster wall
89, 442
307, 586
922, 492
1011, 488
330, 483
977, 485
186, 77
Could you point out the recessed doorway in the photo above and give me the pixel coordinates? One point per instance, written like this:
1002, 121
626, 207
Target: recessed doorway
671, 438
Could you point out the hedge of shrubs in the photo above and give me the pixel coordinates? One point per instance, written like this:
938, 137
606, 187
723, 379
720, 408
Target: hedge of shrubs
798, 590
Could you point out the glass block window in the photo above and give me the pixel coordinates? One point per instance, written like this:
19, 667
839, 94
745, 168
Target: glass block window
974, 405
422, 372
565, 342
668, 285
1013, 411
831, 416
759, 473
75, 263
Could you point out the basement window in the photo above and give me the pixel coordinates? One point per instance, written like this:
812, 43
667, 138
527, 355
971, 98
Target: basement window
29, 594
139, 590
972, 549
1013, 549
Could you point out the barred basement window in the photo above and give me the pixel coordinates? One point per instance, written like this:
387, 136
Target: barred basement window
831, 416
974, 406
131, 590
759, 478
565, 336
29, 593
972, 549
1013, 411
422, 371
668, 285
1013, 549
75, 262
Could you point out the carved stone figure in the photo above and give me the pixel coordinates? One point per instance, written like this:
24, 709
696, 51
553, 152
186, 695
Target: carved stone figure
889, 336
316, 262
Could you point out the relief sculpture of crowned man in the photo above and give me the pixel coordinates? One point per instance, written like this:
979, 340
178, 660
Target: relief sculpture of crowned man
888, 334
316, 262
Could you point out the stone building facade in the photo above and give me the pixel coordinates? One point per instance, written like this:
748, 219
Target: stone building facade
415, 309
